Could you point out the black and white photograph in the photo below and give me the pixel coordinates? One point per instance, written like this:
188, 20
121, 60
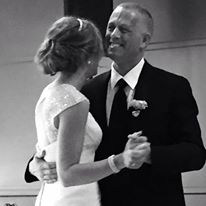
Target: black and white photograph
103, 103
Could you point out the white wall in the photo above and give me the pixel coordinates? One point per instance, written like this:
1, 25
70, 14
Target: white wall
175, 20
23, 25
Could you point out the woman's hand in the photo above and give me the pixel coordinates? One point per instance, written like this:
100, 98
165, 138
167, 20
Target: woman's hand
135, 139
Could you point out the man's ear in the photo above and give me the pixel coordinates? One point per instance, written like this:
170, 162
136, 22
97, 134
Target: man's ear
146, 40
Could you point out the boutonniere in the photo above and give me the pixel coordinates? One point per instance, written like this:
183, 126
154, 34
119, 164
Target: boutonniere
135, 106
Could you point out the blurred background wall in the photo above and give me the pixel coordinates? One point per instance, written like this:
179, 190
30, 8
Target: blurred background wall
23, 25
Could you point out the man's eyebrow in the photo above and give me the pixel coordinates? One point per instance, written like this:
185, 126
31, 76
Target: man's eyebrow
125, 26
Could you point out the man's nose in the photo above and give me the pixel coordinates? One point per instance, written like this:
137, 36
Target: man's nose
115, 33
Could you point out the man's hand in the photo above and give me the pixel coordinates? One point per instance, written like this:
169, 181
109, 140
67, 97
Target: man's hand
137, 151
44, 171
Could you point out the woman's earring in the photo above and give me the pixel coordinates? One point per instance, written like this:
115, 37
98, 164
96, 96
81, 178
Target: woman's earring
89, 62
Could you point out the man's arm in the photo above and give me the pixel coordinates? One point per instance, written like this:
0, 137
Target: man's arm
187, 151
28, 176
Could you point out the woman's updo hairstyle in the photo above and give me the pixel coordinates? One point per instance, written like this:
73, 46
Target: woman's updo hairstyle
68, 44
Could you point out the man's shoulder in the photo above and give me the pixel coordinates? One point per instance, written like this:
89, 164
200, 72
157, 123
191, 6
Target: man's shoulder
97, 83
102, 76
165, 75
99, 79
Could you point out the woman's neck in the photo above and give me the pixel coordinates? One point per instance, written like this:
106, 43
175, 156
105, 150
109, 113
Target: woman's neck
77, 79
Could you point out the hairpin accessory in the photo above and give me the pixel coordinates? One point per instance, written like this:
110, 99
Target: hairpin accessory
80, 24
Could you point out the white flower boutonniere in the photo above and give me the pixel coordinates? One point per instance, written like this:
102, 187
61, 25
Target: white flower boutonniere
135, 106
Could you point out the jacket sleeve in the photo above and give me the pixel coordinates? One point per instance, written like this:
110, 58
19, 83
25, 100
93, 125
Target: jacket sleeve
28, 176
187, 152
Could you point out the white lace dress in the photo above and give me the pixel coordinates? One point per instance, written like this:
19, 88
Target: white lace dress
53, 100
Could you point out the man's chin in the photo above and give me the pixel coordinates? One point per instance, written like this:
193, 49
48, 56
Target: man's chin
112, 55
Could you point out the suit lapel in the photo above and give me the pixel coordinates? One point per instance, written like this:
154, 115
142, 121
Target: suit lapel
143, 86
142, 92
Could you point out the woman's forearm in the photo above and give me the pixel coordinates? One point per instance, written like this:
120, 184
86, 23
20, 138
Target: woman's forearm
86, 173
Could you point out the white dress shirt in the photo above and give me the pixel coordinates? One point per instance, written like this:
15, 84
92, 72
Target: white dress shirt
131, 78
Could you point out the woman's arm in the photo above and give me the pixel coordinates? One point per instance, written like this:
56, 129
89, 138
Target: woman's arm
70, 143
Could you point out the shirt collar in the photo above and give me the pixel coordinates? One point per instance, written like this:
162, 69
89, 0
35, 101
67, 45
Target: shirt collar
131, 77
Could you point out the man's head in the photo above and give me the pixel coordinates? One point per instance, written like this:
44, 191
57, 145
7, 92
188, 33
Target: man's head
129, 31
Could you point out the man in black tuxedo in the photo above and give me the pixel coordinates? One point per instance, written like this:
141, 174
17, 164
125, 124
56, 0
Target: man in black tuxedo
169, 121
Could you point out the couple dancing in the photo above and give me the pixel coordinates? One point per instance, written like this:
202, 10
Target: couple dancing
131, 167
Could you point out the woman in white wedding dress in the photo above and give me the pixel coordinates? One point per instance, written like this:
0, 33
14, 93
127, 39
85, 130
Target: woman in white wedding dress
66, 131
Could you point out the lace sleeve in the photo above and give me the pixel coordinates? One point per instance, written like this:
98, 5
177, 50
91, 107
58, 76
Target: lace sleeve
64, 97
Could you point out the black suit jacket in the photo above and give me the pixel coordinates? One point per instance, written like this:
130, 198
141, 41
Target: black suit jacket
169, 122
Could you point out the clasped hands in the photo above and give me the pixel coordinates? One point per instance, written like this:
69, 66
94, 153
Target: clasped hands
137, 151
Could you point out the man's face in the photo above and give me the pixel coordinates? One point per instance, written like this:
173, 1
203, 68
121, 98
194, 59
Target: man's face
124, 35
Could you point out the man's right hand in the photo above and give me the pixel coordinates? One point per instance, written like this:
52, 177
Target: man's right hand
44, 171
